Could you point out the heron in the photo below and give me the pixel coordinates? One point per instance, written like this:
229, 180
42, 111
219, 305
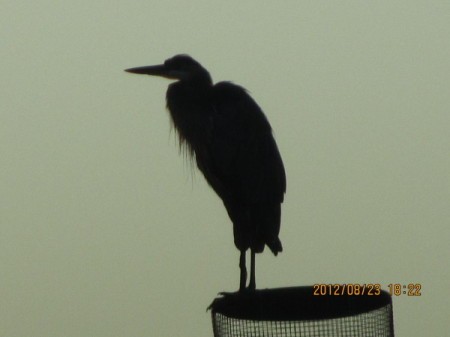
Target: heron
228, 136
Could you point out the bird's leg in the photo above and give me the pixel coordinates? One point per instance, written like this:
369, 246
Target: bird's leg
243, 279
252, 284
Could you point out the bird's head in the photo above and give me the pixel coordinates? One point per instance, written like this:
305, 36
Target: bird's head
180, 67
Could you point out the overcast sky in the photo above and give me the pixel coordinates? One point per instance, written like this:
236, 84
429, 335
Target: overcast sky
105, 230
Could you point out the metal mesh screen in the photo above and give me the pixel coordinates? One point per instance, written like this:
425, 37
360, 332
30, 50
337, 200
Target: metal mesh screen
295, 312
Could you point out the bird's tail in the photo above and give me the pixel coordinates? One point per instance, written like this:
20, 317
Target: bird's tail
275, 246
258, 228
269, 224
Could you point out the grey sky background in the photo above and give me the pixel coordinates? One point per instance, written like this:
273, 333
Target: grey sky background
105, 230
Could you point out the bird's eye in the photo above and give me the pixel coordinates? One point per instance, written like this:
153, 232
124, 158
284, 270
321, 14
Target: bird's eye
172, 64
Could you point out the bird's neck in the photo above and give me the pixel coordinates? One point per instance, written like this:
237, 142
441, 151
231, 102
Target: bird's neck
189, 91
189, 105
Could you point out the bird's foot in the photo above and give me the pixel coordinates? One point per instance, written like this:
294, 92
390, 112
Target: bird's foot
247, 291
221, 295
243, 291
228, 293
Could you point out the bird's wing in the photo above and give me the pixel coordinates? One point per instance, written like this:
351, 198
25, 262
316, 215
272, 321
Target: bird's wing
244, 158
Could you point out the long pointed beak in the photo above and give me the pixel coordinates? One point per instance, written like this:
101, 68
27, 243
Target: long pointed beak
158, 70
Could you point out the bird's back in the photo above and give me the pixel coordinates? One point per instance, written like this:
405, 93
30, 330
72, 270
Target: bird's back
234, 148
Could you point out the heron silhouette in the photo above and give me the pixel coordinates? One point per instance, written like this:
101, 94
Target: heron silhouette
227, 133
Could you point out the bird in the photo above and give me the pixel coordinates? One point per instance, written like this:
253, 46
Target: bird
226, 133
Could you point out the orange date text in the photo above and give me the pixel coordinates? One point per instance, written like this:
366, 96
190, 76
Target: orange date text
347, 289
